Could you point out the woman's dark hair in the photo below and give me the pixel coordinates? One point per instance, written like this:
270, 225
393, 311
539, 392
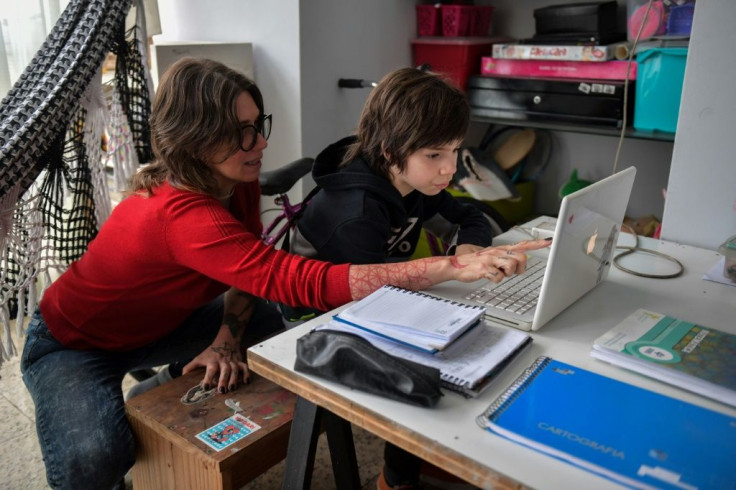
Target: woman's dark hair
194, 116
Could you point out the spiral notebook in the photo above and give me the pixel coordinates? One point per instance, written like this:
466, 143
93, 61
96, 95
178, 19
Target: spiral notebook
627, 434
412, 318
468, 365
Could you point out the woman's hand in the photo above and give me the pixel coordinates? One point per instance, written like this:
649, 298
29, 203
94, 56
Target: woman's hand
223, 357
494, 263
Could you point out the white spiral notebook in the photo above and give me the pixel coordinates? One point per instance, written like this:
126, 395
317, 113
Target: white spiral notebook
415, 319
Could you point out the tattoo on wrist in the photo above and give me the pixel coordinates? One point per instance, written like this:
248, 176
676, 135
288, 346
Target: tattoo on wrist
456, 263
225, 349
234, 324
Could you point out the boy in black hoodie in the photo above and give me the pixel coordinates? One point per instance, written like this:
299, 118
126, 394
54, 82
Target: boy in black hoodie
380, 187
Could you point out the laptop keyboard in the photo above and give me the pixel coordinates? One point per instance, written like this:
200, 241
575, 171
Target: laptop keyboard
516, 294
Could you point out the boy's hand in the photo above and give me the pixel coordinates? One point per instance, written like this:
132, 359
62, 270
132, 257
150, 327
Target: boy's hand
467, 248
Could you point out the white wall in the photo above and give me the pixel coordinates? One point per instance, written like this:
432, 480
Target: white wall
273, 28
347, 39
701, 198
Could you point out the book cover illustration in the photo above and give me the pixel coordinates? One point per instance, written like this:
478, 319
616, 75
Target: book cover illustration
654, 342
561, 52
619, 431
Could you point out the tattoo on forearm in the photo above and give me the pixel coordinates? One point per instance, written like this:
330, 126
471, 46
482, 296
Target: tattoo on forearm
237, 321
364, 279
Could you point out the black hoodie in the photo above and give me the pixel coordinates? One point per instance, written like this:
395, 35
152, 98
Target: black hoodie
361, 218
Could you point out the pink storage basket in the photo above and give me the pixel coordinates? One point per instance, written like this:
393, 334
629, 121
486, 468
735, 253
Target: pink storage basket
428, 20
466, 20
456, 20
481, 21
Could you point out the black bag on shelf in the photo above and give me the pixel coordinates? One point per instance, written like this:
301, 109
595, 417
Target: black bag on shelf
354, 362
597, 17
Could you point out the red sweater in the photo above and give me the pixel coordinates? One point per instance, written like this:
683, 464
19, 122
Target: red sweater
157, 259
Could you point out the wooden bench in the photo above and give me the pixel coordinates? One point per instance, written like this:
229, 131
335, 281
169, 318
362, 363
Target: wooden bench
170, 456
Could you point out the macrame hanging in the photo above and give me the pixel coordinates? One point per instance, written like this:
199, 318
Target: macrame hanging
53, 122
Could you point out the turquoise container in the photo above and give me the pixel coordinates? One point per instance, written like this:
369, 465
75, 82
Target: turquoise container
660, 72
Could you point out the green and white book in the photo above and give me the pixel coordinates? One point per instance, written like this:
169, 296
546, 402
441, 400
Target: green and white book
690, 356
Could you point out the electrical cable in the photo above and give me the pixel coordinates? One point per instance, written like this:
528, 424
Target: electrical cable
624, 118
624, 121
636, 248
628, 251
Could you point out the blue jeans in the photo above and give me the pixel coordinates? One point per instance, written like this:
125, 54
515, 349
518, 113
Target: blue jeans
85, 437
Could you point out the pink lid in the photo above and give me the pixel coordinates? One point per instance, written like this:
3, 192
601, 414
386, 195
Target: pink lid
655, 22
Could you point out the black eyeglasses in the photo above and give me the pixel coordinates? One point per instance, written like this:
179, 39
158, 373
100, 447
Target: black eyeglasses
251, 131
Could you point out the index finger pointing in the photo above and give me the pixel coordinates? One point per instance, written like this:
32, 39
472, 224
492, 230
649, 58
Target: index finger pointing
529, 245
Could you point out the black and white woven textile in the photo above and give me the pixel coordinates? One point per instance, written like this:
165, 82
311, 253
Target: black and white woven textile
53, 122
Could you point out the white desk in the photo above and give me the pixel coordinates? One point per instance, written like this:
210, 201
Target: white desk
448, 435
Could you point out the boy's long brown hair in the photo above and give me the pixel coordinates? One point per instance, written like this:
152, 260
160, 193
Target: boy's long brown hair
194, 116
408, 110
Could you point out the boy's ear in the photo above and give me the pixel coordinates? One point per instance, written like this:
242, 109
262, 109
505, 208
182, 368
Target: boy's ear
387, 156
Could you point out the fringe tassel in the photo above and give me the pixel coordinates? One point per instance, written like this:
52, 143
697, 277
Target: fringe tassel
7, 219
23, 255
8, 347
20, 317
120, 144
94, 131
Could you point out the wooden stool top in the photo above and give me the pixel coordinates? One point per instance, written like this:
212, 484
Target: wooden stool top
163, 411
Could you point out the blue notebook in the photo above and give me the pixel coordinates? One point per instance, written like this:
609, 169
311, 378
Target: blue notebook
630, 435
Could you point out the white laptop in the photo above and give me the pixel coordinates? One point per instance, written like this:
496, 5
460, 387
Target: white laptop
580, 257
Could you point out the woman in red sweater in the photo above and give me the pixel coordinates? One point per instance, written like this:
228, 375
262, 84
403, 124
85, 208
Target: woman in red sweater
175, 273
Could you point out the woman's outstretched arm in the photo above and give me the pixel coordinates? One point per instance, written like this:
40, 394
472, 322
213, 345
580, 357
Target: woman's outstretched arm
493, 263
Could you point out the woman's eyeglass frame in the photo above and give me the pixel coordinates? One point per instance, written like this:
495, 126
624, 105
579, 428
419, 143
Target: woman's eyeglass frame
262, 126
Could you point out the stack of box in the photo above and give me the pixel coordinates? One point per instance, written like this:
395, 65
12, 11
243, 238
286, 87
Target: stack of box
663, 29
572, 71
452, 39
577, 66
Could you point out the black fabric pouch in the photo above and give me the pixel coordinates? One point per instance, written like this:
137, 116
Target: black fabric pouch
354, 362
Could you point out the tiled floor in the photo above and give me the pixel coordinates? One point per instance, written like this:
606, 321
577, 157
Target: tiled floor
21, 466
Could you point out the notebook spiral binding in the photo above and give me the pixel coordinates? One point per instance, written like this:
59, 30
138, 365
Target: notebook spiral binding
455, 380
443, 300
513, 391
